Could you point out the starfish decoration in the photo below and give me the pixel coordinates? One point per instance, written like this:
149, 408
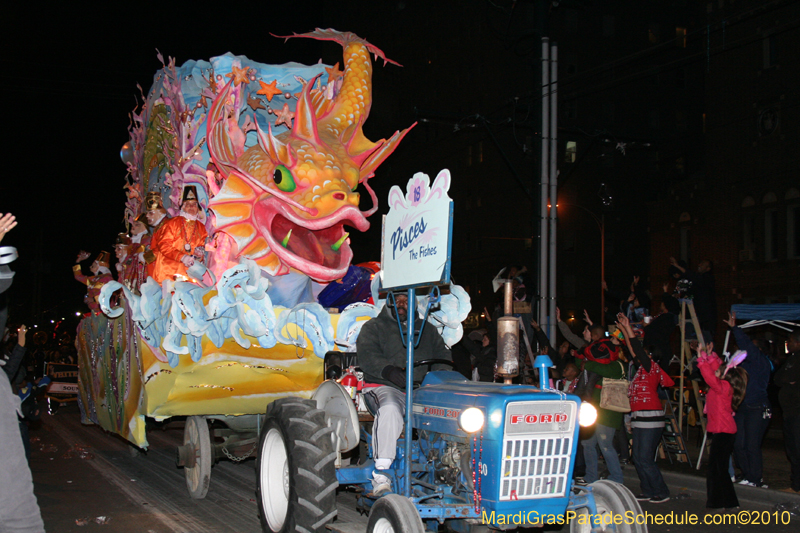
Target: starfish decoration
255, 102
239, 75
284, 116
269, 89
333, 73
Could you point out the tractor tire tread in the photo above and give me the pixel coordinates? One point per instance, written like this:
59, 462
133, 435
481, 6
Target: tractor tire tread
311, 473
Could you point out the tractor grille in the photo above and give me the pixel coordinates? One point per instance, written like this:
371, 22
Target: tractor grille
536, 457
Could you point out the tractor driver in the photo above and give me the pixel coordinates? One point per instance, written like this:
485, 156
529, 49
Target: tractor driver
382, 357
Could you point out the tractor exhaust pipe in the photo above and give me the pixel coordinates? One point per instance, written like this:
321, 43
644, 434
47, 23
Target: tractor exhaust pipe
507, 348
508, 337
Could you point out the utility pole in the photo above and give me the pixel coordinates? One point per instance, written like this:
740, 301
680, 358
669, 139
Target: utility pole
549, 188
553, 94
544, 183
539, 23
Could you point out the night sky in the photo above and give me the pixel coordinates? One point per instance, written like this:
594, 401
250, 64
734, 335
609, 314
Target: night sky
69, 82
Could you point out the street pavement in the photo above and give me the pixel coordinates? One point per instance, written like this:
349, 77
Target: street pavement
83, 475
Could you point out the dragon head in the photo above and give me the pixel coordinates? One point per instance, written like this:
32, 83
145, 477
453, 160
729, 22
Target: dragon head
286, 200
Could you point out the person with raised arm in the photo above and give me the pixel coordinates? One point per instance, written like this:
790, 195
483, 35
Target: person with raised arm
647, 416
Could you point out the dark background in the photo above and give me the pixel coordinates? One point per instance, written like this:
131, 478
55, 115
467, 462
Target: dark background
69, 82
71, 77
662, 101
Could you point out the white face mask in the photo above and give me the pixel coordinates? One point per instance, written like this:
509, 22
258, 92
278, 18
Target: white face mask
187, 216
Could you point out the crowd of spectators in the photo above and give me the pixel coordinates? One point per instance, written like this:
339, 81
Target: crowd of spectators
641, 344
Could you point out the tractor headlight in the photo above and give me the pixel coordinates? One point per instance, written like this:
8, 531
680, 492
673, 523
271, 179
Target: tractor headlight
471, 420
587, 414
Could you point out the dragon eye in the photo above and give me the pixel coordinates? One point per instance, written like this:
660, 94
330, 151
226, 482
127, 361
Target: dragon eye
283, 179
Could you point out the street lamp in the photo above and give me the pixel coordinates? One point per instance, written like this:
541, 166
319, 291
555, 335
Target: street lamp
601, 224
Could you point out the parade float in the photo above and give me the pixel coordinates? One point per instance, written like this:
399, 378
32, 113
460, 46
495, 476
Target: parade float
278, 160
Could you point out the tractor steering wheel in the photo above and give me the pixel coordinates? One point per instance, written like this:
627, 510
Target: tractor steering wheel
430, 362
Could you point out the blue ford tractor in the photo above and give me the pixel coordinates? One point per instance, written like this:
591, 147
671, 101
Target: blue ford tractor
476, 457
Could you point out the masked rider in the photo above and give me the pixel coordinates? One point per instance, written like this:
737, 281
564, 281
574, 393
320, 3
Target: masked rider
180, 241
100, 276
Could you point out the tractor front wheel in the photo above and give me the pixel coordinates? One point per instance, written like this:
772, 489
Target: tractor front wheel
394, 514
611, 500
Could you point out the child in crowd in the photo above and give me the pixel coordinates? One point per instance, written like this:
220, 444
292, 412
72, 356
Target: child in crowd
727, 385
599, 361
601, 349
568, 376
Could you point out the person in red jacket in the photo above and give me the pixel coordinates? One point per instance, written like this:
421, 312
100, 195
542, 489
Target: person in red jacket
727, 385
647, 416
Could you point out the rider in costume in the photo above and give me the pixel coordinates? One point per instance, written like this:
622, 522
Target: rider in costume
100, 276
180, 241
136, 265
121, 248
155, 216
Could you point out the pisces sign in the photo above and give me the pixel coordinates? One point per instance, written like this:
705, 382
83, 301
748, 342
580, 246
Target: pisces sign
417, 233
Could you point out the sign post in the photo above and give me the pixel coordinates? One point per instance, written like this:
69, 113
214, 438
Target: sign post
415, 252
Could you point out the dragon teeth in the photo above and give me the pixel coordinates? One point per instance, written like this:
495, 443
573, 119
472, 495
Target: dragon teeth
338, 244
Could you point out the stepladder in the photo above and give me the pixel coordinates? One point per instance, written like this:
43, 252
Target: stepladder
673, 444
687, 306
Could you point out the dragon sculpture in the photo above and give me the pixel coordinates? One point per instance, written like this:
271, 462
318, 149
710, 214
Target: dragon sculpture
286, 200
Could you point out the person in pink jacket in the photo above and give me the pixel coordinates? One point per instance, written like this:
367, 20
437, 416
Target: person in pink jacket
726, 387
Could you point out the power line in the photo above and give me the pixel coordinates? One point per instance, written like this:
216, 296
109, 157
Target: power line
688, 60
670, 44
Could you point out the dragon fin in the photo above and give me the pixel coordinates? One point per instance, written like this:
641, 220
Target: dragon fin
277, 151
342, 38
225, 144
305, 119
377, 156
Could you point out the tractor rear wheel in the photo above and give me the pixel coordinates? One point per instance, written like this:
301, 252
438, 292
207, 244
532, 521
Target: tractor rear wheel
296, 477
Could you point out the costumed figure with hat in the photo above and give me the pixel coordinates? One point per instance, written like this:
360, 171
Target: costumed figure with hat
135, 265
155, 217
100, 276
121, 247
180, 241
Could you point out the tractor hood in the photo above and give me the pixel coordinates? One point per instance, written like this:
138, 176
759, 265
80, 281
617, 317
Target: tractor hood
444, 395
